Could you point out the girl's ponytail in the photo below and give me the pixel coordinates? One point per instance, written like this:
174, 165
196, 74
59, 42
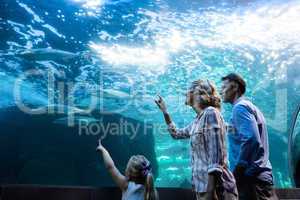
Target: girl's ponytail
150, 191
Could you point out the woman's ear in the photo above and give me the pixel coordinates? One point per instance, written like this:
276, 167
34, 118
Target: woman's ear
203, 100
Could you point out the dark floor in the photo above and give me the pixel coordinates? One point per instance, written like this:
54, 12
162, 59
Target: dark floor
32, 192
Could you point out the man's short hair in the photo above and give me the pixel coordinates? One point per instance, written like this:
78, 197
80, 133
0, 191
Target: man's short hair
237, 79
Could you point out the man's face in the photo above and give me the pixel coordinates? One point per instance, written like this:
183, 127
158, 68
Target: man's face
229, 91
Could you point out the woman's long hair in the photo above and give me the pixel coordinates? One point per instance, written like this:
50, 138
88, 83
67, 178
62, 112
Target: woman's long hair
207, 92
139, 171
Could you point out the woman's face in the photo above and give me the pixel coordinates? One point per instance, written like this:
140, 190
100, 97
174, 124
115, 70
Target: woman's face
189, 98
193, 99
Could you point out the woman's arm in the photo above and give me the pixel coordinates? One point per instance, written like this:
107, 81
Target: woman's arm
215, 141
175, 133
162, 106
211, 186
216, 148
118, 178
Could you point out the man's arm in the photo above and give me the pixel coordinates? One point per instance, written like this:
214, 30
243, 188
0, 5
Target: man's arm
247, 129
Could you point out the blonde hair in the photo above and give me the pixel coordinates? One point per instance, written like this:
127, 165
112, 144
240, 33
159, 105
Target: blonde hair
139, 170
208, 93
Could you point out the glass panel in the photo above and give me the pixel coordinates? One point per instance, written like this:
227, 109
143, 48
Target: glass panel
294, 143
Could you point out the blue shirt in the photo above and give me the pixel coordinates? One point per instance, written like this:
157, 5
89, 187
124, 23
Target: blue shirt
248, 141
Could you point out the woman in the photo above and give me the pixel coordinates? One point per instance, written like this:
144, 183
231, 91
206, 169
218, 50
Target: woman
211, 178
138, 182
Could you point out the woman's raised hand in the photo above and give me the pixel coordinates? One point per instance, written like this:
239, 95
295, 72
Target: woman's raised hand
161, 104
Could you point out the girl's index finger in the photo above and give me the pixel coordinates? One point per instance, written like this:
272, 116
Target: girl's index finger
160, 98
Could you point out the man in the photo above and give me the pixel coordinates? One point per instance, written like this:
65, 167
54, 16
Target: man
248, 143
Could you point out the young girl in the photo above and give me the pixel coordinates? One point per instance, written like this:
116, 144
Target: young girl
138, 182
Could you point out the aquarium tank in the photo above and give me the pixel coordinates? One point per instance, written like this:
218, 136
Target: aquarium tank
74, 71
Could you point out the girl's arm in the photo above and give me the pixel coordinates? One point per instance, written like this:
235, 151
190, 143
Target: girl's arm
118, 178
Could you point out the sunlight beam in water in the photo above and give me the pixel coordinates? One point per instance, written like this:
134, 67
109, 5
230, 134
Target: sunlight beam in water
147, 58
143, 58
91, 4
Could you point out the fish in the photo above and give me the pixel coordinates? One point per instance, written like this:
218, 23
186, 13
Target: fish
77, 120
116, 93
56, 55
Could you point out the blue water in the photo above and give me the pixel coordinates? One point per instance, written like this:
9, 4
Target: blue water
132, 50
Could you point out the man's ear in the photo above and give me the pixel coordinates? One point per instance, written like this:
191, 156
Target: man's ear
235, 87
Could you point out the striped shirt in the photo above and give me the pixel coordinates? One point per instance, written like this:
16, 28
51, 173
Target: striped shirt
208, 150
